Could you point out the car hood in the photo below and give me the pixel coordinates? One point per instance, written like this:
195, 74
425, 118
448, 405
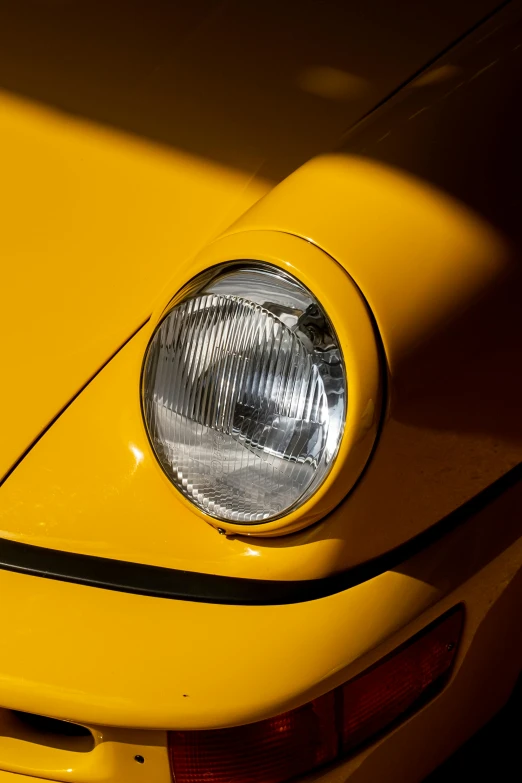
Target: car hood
93, 223
205, 118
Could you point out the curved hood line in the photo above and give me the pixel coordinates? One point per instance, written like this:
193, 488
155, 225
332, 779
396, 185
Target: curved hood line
22, 456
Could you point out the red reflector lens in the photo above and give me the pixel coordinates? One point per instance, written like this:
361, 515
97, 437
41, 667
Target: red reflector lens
267, 752
292, 744
394, 685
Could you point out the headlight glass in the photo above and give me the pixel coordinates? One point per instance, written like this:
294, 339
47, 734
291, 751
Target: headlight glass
244, 393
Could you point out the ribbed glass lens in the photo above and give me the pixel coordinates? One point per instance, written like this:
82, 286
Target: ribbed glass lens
244, 394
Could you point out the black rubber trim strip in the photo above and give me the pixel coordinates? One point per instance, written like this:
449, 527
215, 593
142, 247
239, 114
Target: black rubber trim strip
160, 582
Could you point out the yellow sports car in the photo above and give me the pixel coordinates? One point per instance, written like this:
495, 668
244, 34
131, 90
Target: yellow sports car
261, 383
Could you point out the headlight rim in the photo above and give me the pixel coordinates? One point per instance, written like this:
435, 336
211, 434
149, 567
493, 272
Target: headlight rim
192, 290
296, 258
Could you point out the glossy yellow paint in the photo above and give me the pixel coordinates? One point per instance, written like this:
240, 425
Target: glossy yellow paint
92, 484
135, 512
93, 222
374, 219
181, 671
10, 777
422, 260
479, 688
417, 255
430, 268
111, 760
106, 213
359, 344
407, 207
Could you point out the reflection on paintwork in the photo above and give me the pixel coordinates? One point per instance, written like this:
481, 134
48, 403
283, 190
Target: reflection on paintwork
332, 83
138, 456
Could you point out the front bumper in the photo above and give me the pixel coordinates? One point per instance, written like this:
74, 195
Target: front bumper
105, 658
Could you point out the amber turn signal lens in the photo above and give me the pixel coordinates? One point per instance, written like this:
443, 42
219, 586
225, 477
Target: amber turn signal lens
296, 742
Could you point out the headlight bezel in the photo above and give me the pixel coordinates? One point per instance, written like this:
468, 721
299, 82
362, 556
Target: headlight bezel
253, 288
353, 325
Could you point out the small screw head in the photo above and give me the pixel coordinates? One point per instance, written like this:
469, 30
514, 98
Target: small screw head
450, 646
139, 758
221, 531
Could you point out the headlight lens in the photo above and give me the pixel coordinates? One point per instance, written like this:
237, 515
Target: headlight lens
244, 393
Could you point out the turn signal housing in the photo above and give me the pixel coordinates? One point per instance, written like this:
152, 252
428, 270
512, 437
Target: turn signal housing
327, 728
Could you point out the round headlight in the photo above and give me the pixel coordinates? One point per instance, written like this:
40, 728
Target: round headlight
244, 393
